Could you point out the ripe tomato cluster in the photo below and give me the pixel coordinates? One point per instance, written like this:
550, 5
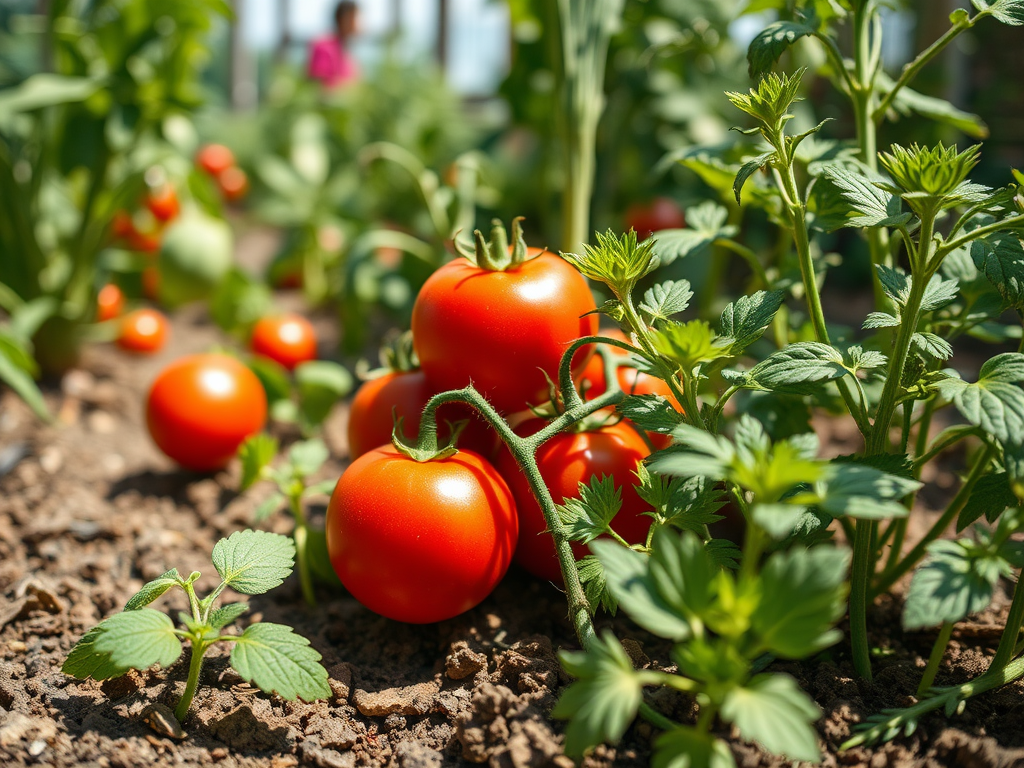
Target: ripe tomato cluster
219, 162
421, 539
141, 331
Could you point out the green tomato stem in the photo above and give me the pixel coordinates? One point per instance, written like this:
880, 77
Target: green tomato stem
1014, 621
195, 667
301, 538
938, 651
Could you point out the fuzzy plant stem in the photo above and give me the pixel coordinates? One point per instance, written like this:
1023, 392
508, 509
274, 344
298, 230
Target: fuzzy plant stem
938, 651
301, 538
195, 668
1014, 621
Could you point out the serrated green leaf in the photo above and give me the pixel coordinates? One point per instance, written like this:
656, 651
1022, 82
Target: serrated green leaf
686, 747
949, 585
1000, 257
744, 321
153, 589
699, 454
990, 495
724, 554
276, 660
138, 639
256, 453
605, 698
307, 456
595, 587
748, 169
691, 343
254, 562
803, 596
770, 101
617, 261
769, 44
652, 413
85, 661
1009, 12
683, 503
663, 300
895, 283
773, 711
939, 293
626, 574
706, 223
877, 207
590, 514
931, 346
880, 320
799, 368
996, 401
227, 614
860, 491
859, 359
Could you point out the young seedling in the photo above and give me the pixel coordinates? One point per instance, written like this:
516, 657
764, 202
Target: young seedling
304, 396
303, 460
271, 656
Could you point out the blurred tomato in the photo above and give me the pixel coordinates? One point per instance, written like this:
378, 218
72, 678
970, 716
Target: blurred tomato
163, 203
151, 282
288, 339
660, 213
109, 303
121, 225
215, 159
143, 331
233, 184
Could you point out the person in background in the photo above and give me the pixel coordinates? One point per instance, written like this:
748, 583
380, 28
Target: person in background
329, 59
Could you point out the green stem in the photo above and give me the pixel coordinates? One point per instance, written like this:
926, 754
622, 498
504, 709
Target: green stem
861, 571
1013, 222
748, 256
899, 536
938, 651
1014, 621
195, 667
301, 537
891, 575
943, 442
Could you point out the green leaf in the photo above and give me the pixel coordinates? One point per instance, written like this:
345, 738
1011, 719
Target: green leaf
138, 639
688, 504
85, 661
949, 585
239, 301
320, 558
590, 514
320, 384
605, 698
46, 90
652, 413
21, 382
617, 261
748, 169
153, 589
691, 343
860, 491
859, 359
307, 457
700, 454
1007, 11
705, 223
876, 207
254, 562
996, 401
267, 507
909, 101
745, 320
666, 299
766, 48
227, 614
799, 368
939, 293
932, 346
274, 378
895, 283
277, 660
803, 594
773, 711
1000, 256
770, 101
628, 581
989, 497
595, 587
778, 520
686, 747
256, 453
928, 178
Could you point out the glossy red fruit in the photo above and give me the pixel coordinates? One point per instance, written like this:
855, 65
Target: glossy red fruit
215, 159
109, 303
501, 330
288, 339
234, 184
565, 461
143, 331
201, 408
370, 419
163, 203
654, 216
420, 541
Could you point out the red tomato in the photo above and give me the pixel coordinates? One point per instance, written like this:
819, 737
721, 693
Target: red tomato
122, 226
144, 330
144, 242
420, 541
501, 330
632, 382
202, 407
648, 218
565, 461
163, 203
370, 419
287, 339
215, 159
109, 303
233, 183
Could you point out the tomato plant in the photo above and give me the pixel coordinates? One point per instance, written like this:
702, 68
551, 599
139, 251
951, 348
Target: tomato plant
288, 339
501, 321
202, 407
143, 331
609, 449
214, 159
109, 302
420, 541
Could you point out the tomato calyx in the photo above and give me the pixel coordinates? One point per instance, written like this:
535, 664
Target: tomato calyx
397, 355
427, 446
496, 255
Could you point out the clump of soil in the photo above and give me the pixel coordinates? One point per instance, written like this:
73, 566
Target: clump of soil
89, 511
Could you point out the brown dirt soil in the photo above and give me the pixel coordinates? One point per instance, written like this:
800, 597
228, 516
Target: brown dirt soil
89, 510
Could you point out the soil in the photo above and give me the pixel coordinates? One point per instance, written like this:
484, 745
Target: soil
90, 510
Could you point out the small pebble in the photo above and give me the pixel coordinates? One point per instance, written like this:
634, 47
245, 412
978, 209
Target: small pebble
16, 646
76, 383
51, 459
114, 463
102, 423
37, 747
162, 720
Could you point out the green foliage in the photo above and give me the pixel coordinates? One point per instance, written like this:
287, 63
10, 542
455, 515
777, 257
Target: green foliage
269, 655
772, 710
996, 401
590, 514
618, 262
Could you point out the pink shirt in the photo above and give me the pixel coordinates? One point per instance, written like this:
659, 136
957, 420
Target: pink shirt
330, 63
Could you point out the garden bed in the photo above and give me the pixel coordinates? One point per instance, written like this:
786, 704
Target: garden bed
89, 510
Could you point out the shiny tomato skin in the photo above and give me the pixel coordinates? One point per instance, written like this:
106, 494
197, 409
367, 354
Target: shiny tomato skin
109, 303
288, 339
215, 159
420, 542
163, 203
143, 331
565, 461
500, 330
370, 420
202, 407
